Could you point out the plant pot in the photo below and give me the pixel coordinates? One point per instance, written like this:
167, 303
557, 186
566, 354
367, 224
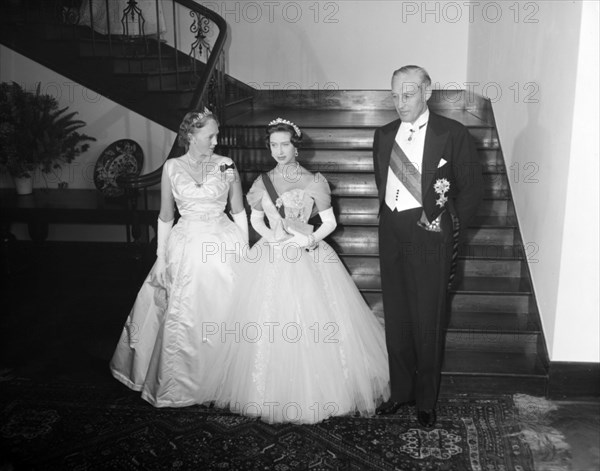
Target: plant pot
23, 185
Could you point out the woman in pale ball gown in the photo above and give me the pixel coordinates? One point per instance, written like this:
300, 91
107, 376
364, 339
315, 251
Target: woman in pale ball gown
301, 344
163, 350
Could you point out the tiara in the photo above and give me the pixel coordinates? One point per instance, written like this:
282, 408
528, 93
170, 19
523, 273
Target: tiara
289, 123
201, 115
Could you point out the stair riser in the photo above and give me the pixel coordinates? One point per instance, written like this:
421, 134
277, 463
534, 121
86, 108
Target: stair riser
482, 384
355, 239
514, 304
254, 159
491, 236
330, 98
495, 181
493, 322
475, 322
372, 281
491, 251
369, 266
365, 210
491, 158
360, 184
332, 160
499, 303
492, 341
325, 138
363, 218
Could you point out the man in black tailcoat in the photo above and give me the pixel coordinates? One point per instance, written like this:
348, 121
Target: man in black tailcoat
429, 180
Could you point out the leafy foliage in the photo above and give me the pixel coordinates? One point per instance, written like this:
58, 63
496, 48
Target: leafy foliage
35, 132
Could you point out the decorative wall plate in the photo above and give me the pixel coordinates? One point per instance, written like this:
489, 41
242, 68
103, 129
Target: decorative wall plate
122, 157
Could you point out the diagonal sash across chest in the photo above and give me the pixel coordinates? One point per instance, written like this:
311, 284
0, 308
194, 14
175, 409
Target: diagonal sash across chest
272, 194
406, 171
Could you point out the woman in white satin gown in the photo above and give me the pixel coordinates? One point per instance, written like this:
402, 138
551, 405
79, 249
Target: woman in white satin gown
164, 351
301, 344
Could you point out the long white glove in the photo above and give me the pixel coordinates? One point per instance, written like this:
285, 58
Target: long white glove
257, 219
241, 221
163, 229
327, 227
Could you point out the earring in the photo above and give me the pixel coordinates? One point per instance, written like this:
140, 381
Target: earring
296, 153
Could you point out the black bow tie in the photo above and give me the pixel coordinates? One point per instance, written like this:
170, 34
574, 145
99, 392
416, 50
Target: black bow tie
224, 167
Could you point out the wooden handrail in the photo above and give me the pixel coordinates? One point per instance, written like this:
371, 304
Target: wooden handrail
132, 183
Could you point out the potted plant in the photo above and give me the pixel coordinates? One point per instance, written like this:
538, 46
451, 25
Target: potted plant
36, 133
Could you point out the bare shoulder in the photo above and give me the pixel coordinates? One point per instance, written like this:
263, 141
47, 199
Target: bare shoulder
170, 162
307, 176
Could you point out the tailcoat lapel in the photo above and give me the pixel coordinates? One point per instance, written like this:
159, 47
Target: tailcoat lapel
435, 141
387, 143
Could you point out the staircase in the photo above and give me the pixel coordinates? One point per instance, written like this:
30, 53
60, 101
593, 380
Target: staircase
494, 341
149, 76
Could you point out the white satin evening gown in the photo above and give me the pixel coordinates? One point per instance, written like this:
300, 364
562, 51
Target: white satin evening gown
164, 350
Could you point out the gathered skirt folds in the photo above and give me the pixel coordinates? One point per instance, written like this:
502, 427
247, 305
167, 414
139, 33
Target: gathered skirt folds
165, 350
301, 344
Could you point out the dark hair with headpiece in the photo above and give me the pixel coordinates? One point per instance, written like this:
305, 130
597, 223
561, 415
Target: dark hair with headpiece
283, 125
192, 121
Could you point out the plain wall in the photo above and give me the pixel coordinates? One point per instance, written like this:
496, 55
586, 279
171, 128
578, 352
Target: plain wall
577, 327
344, 44
531, 64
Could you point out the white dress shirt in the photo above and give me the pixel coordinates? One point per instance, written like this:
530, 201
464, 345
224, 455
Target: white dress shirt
396, 195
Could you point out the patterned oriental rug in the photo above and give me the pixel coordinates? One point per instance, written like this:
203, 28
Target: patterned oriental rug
77, 426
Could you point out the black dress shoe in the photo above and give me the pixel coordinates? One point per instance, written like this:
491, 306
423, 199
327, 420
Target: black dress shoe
426, 417
391, 407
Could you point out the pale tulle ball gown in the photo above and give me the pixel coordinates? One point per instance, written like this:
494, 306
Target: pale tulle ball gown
301, 345
163, 350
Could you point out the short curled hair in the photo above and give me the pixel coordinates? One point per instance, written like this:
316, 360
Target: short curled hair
192, 121
282, 127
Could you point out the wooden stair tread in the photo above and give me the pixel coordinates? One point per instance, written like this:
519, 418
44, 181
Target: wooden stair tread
501, 322
340, 118
493, 221
492, 252
469, 252
492, 363
494, 285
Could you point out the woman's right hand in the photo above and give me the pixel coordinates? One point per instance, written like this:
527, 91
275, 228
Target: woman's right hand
160, 272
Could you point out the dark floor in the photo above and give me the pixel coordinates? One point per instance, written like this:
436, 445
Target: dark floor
64, 305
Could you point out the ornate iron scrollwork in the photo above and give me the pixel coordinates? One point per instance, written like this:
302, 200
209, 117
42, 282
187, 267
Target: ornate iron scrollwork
67, 12
200, 28
132, 11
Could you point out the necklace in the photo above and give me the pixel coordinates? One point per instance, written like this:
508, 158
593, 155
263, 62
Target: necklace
200, 167
290, 178
289, 173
